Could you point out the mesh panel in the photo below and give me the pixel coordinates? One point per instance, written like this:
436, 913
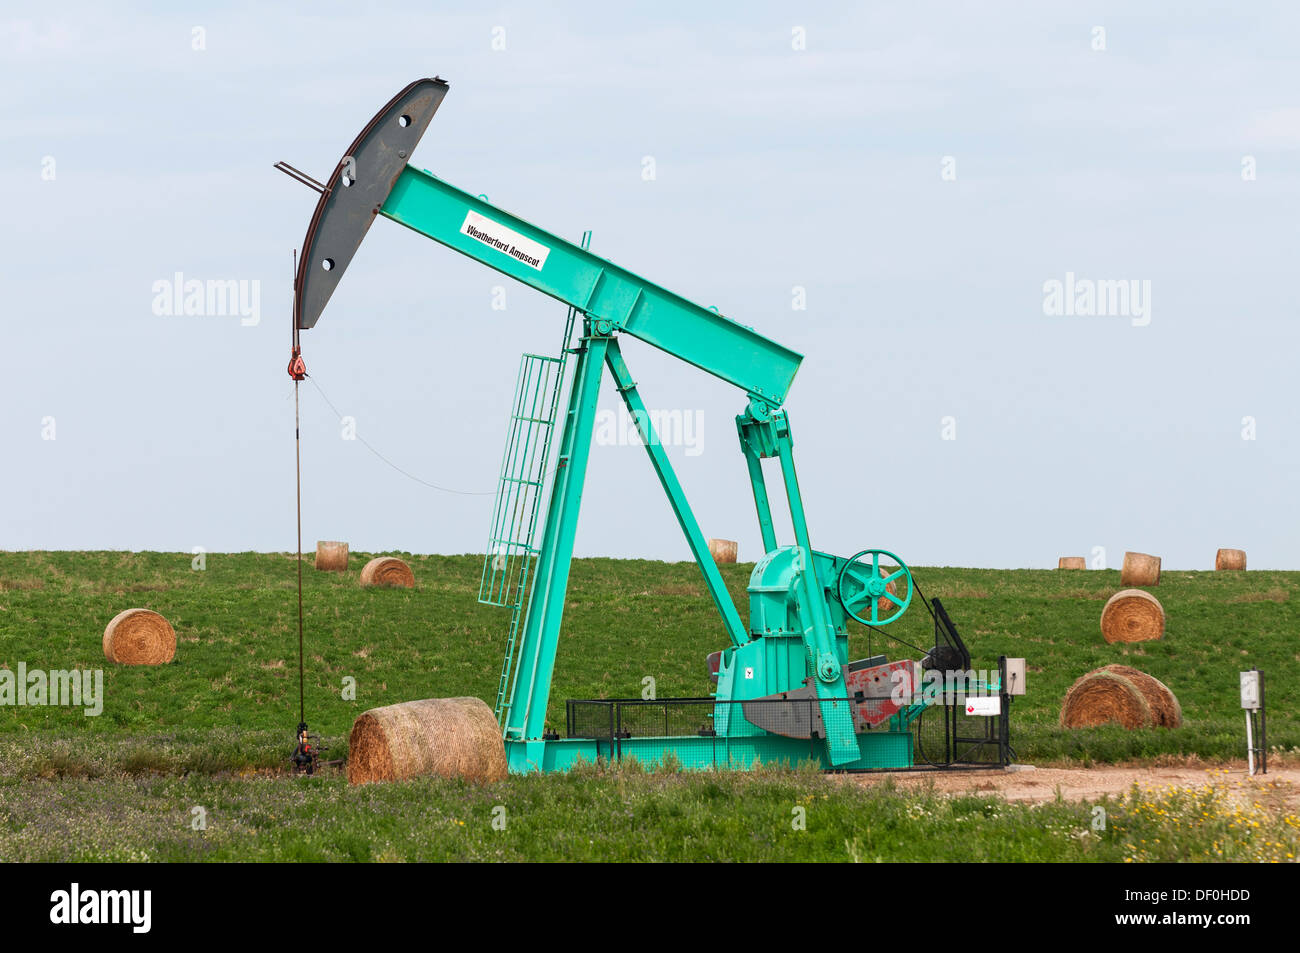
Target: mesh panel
975, 740
931, 732
676, 717
943, 735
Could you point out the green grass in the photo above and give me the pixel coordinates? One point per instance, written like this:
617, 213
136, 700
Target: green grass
616, 815
213, 729
232, 691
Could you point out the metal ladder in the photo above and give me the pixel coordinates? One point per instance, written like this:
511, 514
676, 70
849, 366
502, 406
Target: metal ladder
511, 555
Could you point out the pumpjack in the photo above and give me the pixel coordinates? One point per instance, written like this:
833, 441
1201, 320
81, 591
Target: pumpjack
786, 689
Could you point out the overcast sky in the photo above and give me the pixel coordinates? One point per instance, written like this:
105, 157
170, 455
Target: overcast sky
924, 173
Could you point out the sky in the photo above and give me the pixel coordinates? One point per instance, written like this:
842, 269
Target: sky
906, 194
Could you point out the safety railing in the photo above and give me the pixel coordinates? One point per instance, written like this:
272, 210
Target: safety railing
943, 735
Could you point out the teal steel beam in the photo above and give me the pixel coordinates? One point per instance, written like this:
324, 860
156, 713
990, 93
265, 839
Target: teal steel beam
681, 508
750, 445
531, 690
761, 503
819, 637
593, 285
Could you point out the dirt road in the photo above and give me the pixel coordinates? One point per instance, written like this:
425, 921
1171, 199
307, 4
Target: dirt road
1076, 784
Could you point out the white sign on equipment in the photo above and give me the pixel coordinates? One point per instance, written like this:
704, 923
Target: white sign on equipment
984, 705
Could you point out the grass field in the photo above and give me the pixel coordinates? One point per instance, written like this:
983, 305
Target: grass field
617, 815
213, 729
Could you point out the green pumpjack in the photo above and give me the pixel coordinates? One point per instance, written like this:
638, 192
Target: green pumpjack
786, 688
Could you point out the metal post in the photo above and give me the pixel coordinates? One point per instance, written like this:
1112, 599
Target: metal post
1263, 735
950, 714
1250, 743
612, 730
1004, 718
618, 731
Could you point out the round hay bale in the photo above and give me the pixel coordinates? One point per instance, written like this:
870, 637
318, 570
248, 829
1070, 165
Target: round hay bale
447, 737
1132, 615
139, 637
1163, 703
1102, 697
387, 572
1140, 570
1071, 562
331, 556
1230, 559
1120, 695
723, 550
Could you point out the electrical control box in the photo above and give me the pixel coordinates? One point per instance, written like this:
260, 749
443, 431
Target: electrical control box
1015, 676
1252, 695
